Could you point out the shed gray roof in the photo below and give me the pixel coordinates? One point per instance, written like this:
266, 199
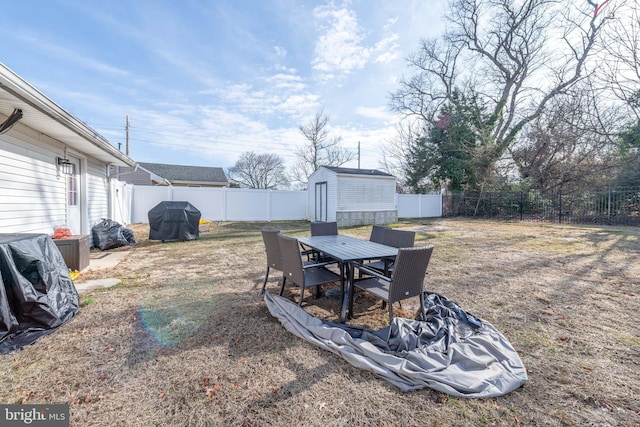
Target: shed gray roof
354, 171
180, 173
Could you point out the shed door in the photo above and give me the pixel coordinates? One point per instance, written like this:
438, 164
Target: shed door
74, 216
321, 201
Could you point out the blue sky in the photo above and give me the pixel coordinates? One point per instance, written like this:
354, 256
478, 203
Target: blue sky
203, 81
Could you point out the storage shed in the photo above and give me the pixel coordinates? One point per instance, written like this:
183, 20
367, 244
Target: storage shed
352, 196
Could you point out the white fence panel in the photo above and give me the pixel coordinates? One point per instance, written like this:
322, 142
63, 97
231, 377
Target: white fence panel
419, 205
224, 204
242, 204
289, 205
121, 202
146, 197
209, 201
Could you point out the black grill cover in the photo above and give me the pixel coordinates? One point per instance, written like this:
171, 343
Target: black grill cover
174, 221
36, 293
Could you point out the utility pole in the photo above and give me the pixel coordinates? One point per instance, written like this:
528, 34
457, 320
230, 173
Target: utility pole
126, 128
358, 154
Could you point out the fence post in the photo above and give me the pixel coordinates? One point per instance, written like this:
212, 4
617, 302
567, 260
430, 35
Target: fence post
560, 207
490, 206
224, 203
609, 206
521, 205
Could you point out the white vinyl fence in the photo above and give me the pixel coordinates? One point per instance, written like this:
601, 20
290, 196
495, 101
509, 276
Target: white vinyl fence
242, 204
121, 203
419, 205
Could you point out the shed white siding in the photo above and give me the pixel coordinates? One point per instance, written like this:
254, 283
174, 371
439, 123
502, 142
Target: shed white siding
32, 194
366, 193
352, 196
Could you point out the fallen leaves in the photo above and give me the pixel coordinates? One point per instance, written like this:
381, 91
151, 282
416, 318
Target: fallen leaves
210, 389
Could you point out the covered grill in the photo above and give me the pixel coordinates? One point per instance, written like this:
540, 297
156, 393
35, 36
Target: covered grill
174, 221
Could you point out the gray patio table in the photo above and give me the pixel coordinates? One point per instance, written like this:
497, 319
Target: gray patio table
345, 250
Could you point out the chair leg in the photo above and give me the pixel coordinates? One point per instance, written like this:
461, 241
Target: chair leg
266, 276
284, 280
390, 312
301, 295
318, 291
422, 309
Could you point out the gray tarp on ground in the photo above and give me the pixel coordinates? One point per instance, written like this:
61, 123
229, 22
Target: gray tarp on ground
451, 351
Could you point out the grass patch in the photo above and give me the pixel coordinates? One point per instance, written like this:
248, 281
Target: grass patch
186, 338
87, 301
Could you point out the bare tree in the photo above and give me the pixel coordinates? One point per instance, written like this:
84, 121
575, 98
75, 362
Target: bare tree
258, 171
566, 148
514, 57
396, 152
319, 150
621, 70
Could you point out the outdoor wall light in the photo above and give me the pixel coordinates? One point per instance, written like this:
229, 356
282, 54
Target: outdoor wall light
65, 166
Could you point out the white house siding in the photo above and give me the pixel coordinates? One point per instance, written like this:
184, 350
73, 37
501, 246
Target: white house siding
32, 193
96, 194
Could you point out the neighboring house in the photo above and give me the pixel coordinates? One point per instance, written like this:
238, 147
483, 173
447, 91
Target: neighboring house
175, 175
55, 171
352, 196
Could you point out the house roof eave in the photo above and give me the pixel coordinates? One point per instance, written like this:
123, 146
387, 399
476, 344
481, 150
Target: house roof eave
45, 116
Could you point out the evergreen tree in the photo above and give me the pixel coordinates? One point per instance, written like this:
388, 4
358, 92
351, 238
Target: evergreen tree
444, 157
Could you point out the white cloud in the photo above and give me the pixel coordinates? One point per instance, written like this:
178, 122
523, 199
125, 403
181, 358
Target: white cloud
74, 56
377, 113
286, 82
280, 51
387, 49
338, 48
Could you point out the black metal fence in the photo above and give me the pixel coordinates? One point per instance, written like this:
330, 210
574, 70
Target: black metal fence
614, 206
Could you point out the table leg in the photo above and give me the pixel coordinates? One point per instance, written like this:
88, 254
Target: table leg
351, 290
343, 292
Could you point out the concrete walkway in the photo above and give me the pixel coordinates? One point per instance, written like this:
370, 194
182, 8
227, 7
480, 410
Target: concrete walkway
101, 261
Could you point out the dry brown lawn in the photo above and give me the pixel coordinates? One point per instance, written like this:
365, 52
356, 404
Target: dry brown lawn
186, 338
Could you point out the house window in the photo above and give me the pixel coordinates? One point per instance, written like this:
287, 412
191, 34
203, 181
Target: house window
72, 187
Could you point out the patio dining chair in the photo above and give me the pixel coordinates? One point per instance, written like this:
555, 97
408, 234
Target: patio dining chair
272, 247
377, 233
397, 239
303, 274
406, 281
319, 228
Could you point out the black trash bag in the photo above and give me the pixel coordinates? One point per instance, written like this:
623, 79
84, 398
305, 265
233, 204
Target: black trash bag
108, 234
128, 234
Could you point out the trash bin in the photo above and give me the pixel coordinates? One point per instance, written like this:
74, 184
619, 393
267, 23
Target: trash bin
174, 221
